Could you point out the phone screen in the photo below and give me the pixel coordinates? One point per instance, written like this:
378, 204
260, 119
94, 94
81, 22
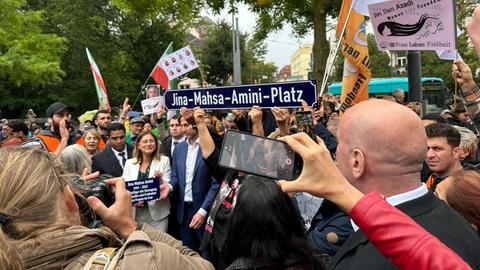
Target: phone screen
305, 122
257, 155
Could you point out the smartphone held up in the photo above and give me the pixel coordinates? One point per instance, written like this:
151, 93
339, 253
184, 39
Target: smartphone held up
257, 155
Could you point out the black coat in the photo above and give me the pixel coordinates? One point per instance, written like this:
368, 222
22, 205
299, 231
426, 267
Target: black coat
435, 217
167, 148
107, 163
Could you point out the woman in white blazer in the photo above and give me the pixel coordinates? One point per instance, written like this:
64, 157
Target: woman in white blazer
147, 162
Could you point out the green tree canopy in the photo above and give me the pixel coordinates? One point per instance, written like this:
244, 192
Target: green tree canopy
217, 56
303, 15
28, 57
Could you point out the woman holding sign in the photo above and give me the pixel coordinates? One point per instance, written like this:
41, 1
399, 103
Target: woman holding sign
148, 162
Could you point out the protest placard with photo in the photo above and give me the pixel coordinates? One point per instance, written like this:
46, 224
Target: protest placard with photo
414, 24
152, 105
179, 62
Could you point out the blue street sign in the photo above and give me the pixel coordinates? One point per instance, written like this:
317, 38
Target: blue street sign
285, 94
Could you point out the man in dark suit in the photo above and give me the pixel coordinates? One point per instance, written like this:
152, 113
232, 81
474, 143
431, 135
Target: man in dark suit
373, 157
168, 146
176, 136
112, 159
195, 185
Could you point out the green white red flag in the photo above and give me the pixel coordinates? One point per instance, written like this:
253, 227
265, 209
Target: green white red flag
99, 84
159, 75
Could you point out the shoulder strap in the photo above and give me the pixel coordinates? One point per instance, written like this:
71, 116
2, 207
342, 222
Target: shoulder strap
103, 259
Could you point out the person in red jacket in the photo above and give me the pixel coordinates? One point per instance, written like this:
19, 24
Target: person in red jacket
406, 244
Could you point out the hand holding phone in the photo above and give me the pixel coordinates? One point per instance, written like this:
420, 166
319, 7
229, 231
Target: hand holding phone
305, 122
257, 155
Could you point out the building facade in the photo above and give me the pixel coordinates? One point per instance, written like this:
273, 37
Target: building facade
301, 62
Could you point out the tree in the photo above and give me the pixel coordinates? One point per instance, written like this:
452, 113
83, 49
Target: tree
28, 57
303, 15
125, 44
379, 60
216, 56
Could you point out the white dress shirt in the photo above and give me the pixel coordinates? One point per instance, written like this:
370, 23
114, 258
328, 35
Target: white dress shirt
120, 157
192, 153
401, 198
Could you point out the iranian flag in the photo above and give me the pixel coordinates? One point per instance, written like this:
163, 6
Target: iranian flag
159, 75
99, 84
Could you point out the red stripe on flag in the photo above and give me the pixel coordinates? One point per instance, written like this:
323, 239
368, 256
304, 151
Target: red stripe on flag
160, 77
99, 80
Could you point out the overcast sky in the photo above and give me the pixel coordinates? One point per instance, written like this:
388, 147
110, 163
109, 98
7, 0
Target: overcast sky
281, 45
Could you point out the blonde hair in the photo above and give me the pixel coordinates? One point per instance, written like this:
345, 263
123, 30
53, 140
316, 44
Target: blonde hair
468, 141
137, 154
29, 190
75, 159
95, 133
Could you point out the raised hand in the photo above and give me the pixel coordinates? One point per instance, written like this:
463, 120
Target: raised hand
256, 114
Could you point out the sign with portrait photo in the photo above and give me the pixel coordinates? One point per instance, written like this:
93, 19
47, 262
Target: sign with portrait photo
152, 105
178, 63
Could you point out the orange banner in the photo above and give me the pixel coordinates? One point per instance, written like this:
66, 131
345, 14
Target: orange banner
356, 70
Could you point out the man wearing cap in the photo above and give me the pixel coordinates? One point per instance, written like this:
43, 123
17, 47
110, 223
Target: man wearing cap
136, 127
57, 137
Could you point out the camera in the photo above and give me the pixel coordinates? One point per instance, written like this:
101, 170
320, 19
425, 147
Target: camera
95, 187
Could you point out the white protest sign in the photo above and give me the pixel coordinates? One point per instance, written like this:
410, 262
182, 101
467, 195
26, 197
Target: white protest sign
152, 105
308, 206
449, 55
178, 63
414, 24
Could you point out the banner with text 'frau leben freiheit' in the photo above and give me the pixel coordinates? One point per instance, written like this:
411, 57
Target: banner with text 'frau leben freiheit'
414, 24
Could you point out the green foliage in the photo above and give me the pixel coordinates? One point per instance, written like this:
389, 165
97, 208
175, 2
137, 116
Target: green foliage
217, 57
28, 57
24, 49
176, 12
124, 43
379, 60
303, 15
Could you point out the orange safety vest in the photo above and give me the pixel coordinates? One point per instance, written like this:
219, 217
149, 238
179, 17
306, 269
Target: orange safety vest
50, 142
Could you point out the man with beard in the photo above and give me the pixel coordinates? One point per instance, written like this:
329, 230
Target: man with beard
101, 120
57, 137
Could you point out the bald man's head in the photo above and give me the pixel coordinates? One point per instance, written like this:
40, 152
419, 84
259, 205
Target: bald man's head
390, 137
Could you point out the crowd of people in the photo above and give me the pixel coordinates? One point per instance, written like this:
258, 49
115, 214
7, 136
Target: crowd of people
388, 202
